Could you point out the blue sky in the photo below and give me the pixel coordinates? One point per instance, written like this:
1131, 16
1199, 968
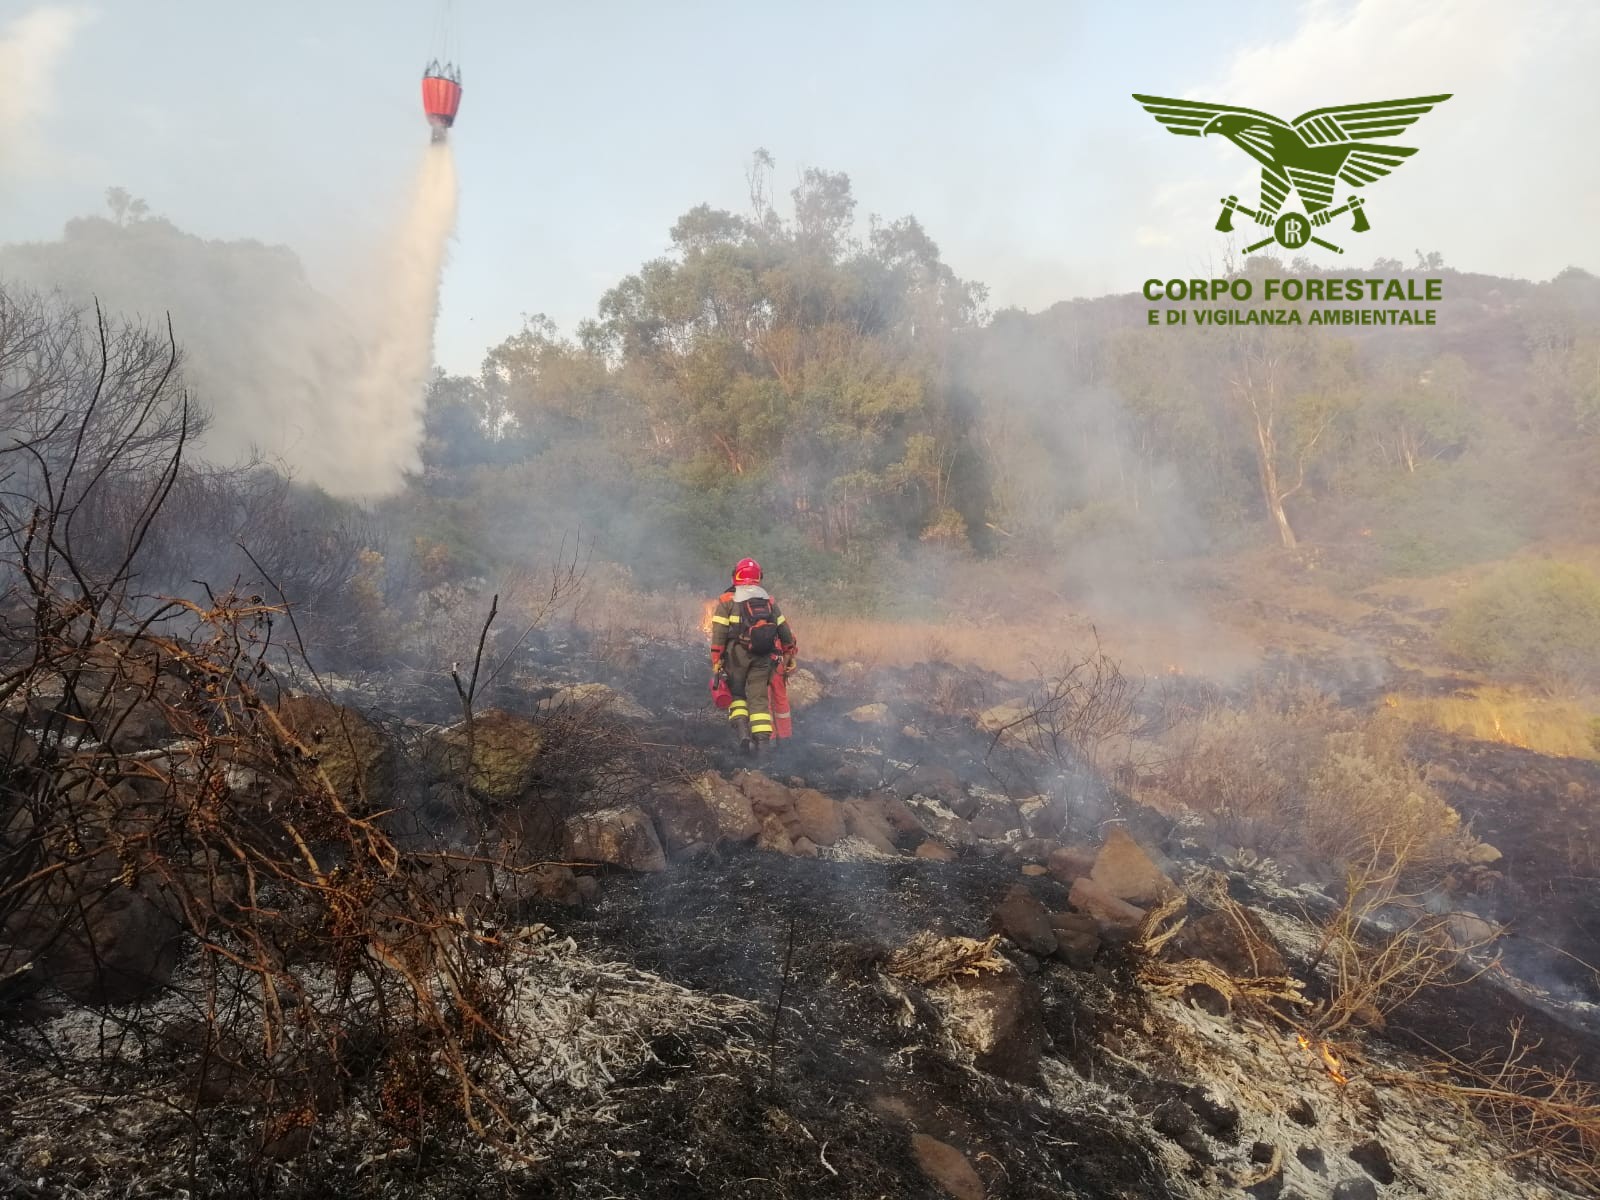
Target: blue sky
1007, 128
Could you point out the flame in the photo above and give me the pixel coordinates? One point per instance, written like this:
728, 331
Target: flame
705, 616
1330, 1060
1174, 669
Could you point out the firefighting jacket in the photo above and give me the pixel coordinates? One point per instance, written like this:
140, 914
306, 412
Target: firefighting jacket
727, 621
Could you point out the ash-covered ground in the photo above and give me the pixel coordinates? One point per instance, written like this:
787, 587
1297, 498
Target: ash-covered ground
921, 950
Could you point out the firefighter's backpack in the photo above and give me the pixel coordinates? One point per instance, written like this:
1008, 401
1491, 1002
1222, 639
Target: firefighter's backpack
758, 628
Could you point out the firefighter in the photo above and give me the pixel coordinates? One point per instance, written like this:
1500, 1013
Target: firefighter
749, 636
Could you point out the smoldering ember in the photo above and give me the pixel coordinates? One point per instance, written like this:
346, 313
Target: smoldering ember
807, 729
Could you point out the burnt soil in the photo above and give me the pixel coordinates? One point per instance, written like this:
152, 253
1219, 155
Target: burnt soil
844, 1080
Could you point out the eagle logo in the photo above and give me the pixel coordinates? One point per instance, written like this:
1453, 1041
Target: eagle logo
1311, 155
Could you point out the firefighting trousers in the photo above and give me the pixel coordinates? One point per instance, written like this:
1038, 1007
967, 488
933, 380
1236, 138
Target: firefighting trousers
748, 678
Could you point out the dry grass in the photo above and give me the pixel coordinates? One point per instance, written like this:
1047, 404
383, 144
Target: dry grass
1511, 716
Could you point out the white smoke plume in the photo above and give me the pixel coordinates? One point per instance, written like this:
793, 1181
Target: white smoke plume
31, 48
382, 426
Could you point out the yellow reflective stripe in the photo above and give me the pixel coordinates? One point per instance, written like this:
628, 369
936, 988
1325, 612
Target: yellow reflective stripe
781, 619
738, 709
733, 620
761, 716
716, 620
758, 727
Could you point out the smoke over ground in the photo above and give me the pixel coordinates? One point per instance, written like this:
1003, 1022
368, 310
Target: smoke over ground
329, 389
383, 421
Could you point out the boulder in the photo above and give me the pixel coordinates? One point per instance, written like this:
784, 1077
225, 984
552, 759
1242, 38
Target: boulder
774, 835
1077, 938
351, 752
766, 795
1007, 719
618, 837
1124, 869
867, 820
729, 808
937, 783
682, 818
1034, 850
1026, 922
805, 689
115, 950
1241, 945
1483, 855
816, 817
1070, 864
900, 816
942, 823
946, 1168
552, 881
1043, 816
803, 847
937, 851
1468, 930
1118, 920
995, 821
997, 1018
505, 753
871, 714
597, 697
1034, 871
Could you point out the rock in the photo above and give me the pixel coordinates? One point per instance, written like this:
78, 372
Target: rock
1077, 939
766, 794
804, 847
618, 837
1313, 1159
1124, 869
1373, 1158
682, 818
937, 851
900, 816
774, 835
1006, 719
871, 714
505, 752
1042, 816
995, 820
1261, 1153
1468, 930
1483, 855
1355, 1189
1218, 938
941, 822
1033, 870
936, 783
1219, 1116
1172, 1119
119, 949
912, 732
867, 820
997, 1017
551, 881
1118, 920
352, 753
816, 817
805, 689
1301, 1113
588, 888
1034, 850
946, 1168
1070, 864
584, 697
1026, 922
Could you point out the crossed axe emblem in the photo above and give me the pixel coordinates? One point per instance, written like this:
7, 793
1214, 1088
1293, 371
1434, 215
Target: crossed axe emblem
1293, 230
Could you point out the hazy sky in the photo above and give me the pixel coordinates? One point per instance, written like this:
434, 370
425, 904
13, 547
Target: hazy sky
1006, 127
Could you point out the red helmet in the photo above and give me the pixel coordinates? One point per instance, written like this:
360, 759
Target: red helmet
748, 571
